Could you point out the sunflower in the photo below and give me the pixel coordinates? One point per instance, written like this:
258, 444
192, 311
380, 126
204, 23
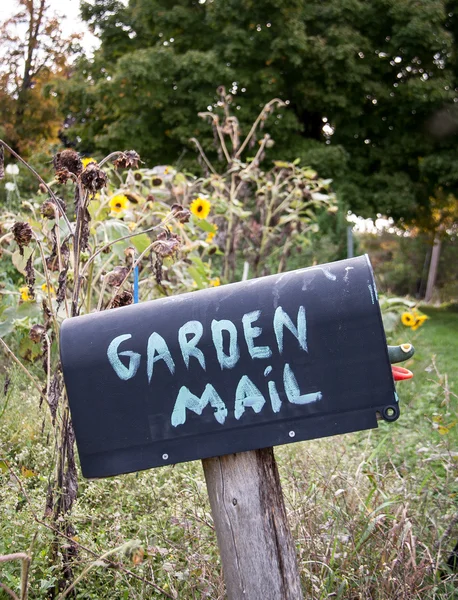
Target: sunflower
44, 288
215, 282
408, 319
200, 208
25, 295
419, 322
211, 235
119, 203
86, 161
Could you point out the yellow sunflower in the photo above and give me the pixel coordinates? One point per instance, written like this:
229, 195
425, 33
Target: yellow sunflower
211, 235
25, 295
408, 319
215, 282
419, 322
44, 287
86, 161
119, 203
200, 208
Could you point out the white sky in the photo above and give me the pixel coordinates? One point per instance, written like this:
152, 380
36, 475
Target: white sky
68, 9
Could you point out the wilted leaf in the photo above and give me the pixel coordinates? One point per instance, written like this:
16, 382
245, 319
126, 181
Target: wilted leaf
27, 472
20, 261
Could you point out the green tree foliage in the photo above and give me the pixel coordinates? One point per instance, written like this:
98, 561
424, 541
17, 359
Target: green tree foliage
366, 83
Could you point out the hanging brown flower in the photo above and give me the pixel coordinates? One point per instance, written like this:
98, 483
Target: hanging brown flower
22, 233
128, 160
181, 214
48, 208
123, 299
166, 244
93, 178
69, 160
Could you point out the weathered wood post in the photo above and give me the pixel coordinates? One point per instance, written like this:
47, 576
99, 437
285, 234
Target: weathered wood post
256, 546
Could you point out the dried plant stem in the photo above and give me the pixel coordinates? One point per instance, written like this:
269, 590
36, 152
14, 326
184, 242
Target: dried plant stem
49, 190
48, 281
230, 229
9, 591
164, 222
18, 362
89, 288
25, 559
111, 564
256, 123
81, 576
203, 155
110, 157
132, 267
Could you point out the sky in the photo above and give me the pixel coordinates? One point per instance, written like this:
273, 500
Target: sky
70, 24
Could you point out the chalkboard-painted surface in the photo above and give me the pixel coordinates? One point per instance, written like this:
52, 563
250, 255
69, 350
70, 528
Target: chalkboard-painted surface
260, 363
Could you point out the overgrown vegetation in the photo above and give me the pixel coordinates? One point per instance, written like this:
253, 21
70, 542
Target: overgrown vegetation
373, 513
122, 234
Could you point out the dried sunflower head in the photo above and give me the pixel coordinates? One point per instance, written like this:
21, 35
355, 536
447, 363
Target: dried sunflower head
22, 233
181, 214
47, 208
69, 160
63, 175
36, 332
93, 178
123, 299
128, 160
116, 276
166, 244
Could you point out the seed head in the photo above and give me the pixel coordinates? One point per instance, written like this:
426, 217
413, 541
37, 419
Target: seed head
128, 160
123, 299
116, 276
22, 234
48, 208
181, 214
167, 244
68, 159
36, 332
93, 178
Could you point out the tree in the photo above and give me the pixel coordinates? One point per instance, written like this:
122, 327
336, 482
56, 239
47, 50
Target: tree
362, 79
28, 107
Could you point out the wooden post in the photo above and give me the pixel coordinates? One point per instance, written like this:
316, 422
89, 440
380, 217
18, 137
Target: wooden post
256, 546
433, 266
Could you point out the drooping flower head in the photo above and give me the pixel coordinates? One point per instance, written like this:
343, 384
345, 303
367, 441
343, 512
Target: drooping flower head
68, 160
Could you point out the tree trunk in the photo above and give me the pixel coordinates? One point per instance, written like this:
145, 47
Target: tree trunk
433, 265
256, 546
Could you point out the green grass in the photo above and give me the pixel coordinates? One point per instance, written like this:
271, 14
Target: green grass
368, 510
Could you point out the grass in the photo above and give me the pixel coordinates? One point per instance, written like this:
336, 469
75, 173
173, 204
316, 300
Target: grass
368, 510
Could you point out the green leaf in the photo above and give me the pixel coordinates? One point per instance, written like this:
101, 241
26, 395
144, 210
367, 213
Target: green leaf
206, 225
6, 327
195, 274
140, 242
20, 261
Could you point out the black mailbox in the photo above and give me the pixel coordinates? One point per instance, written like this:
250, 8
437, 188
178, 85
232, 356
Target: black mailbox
259, 363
